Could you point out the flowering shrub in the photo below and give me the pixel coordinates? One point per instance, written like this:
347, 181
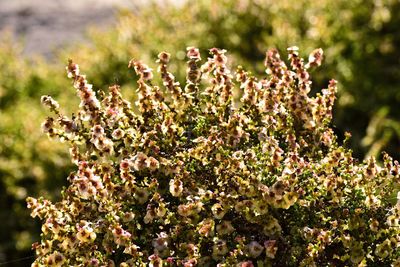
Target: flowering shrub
358, 32
196, 179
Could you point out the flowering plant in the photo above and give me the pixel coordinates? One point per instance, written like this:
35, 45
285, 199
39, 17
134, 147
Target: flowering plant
198, 179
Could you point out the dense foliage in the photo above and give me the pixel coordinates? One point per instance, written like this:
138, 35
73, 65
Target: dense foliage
195, 179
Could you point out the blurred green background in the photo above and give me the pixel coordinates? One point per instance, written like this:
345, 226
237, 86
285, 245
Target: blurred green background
360, 38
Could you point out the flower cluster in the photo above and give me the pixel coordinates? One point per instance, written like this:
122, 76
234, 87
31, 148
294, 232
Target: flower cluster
200, 179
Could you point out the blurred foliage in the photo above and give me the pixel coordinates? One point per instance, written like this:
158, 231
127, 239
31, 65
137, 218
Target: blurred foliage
29, 162
361, 41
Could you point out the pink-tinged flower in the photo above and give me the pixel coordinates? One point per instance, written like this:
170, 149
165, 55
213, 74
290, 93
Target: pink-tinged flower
132, 250
47, 126
94, 262
192, 250
96, 182
246, 264
70, 126
147, 74
121, 236
152, 163
184, 210
207, 228
175, 187
97, 131
155, 261
112, 112
137, 65
193, 53
139, 161
270, 248
85, 232
72, 69
304, 76
315, 58
161, 242
255, 249
219, 56
221, 60
190, 263
163, 58
85, 189
124, 165
141, 69
49, 102
118, 134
